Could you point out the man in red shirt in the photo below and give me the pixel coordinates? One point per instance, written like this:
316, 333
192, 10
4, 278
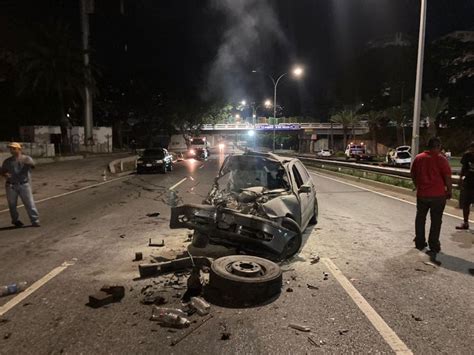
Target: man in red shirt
431, 175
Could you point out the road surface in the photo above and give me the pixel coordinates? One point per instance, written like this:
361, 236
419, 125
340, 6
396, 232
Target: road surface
381, 296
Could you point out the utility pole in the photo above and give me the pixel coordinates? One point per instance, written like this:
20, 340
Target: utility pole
86, 8
415, 142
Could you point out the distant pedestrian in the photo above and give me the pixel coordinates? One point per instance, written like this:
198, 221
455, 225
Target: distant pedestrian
467, 185
16, 170
431, 175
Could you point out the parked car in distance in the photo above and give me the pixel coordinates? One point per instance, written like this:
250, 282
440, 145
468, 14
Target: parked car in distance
357, 151
155, 160
400, 156
324, 153
260, 203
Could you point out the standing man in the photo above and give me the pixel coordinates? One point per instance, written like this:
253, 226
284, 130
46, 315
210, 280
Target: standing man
467, 185
16, 170
431, 175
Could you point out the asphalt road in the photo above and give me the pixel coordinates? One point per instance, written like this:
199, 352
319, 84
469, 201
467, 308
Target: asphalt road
367, 236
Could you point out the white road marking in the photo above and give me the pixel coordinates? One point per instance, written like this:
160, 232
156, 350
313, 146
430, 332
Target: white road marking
178, 183
384, 195
74, 191
34, 287
392, 339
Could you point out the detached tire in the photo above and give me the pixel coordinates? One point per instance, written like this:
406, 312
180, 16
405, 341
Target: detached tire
242, 280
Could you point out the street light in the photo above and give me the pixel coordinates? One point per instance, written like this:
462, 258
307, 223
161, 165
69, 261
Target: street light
268, 103
415, 140
297, 72
243, 102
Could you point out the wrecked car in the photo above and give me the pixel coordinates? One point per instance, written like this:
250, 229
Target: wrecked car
259, 203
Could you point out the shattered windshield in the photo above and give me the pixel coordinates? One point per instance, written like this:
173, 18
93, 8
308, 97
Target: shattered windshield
241, 172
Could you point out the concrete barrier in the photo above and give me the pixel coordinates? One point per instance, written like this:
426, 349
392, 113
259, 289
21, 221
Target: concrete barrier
118, 165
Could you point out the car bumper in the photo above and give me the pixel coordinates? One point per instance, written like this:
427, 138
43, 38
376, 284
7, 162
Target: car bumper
228, 227
151, 167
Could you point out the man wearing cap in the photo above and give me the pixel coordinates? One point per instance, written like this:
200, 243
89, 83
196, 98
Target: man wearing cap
16, 170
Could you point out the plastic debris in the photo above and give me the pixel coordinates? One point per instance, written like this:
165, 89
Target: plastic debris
170, 317
201, 306
299, 327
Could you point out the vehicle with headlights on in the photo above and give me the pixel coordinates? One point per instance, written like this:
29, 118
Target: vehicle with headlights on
155, 160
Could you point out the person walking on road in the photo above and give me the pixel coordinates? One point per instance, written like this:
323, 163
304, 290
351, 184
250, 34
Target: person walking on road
431, 176
467, 185
17, 171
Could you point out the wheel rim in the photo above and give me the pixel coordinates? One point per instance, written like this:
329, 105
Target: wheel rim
245, 269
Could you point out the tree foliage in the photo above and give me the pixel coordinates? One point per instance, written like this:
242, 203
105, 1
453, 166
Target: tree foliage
431, 108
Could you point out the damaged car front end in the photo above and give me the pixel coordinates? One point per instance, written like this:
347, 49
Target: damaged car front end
251, 206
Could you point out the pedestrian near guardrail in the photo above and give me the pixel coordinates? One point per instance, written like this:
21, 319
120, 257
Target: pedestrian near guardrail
467, 185
431, 176
17, 171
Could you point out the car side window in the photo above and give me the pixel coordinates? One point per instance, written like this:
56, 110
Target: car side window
296, 174
303, 172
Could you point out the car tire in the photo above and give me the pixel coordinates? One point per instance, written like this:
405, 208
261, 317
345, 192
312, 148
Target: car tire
164, 169
314, 219
170, 167
293, 246
243, 280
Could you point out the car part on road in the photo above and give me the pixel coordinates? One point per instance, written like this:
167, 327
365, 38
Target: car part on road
106, 295
299, 327
188, 333
150, 244
147, 270
194, 285
138, 256
170, 317
242, 280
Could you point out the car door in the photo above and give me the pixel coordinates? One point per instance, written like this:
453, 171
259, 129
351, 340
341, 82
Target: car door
307, 198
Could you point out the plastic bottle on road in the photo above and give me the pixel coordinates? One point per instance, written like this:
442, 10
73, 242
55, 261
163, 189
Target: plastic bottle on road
12, 288
170, 317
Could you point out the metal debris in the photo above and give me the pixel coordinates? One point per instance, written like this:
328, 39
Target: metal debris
299, 327
184, 336
150, 244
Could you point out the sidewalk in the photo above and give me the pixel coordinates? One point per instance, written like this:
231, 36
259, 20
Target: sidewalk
55, 178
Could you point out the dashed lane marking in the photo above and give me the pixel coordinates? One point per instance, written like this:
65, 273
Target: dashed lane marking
392, 339
382, 194
74, 191
34, 287
178, 183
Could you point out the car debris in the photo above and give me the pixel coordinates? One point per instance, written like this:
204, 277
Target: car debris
147, 270
106, 295
138, 256
418, 319
311, 287
314, 259
299, 327
259, 202
150, 244
153, 298
243, 280
155, 214
343, 331
325, 276
194, 284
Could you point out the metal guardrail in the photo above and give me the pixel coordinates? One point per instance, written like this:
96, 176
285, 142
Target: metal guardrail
383, 170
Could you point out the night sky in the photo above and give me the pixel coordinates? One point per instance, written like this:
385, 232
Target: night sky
208, 48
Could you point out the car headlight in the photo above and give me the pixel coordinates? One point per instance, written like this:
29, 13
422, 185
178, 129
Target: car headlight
159, 161
139, 161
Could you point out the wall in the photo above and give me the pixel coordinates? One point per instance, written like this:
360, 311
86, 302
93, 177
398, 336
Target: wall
38, 134
33, 149
102, 138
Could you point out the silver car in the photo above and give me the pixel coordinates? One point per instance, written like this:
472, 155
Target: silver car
259, 203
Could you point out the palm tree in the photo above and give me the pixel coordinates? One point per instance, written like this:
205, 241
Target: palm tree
397, 115
52, 66
346, 118
374, 118
431, 107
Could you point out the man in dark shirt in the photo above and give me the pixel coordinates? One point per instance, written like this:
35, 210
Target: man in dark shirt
467, 185
16, 170
431, 175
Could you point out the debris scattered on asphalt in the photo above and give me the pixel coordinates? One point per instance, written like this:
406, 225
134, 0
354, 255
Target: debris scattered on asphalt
150, 244
343, 331
138, 256
299, 327
418, 319
188, 333
289, 289
430, 264
122, 236
194, 284
421, 270
225, 336
106, 295
7, 336
147, 270
313, 342
326, 275
153, 298
201, 306
4, 320
314, 259
311, 287
155, 214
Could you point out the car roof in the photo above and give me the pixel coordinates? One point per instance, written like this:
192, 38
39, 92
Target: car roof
269, 156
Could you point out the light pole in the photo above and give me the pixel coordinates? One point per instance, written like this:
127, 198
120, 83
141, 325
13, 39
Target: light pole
415, 141
297, 72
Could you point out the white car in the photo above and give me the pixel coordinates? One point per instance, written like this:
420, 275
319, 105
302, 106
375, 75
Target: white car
324, 153
401, 156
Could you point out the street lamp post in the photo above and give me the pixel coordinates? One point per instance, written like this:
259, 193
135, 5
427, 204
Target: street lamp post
297, 71
415, 142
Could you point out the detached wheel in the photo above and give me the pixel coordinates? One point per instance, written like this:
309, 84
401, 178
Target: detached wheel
242, 280
294, 244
